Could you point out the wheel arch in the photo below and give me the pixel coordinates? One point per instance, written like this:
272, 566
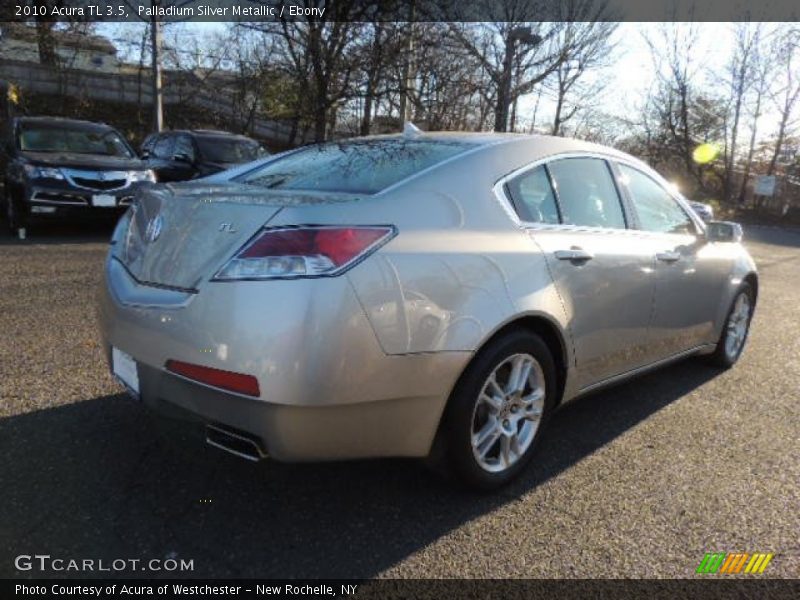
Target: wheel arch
543, 326
553, 337
752, 279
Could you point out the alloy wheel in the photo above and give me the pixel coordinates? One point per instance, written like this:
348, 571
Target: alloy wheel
738, 322
508, 412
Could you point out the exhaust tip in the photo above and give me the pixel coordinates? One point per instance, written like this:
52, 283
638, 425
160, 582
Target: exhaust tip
240, 444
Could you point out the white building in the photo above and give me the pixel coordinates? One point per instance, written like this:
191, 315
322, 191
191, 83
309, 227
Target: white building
18, 42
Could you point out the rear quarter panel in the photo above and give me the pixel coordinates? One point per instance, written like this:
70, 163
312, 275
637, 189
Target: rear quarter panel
458, 269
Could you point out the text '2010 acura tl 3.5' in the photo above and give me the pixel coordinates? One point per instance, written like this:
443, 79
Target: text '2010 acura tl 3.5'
420, 295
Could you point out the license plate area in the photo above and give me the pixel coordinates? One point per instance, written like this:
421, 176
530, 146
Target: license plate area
123, 366
104, 200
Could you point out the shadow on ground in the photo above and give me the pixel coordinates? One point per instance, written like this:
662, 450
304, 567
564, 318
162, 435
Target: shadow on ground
106, 479
67, 232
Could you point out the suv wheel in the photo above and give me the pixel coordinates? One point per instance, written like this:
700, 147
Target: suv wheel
14, 217
498, 409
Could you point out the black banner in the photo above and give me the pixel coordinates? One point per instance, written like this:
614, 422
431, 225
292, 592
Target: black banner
397, 10
667, 589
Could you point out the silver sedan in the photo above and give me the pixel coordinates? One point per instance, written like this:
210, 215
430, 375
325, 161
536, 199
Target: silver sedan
425, 295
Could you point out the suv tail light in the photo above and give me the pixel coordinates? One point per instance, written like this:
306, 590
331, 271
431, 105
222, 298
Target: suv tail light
304, 251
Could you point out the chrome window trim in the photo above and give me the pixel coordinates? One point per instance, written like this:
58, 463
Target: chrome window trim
505, 202
676, 197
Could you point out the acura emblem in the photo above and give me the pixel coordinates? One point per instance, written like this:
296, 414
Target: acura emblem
154, 228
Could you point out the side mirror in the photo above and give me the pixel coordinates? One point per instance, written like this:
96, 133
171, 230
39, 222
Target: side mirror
182, 157
145, 154
724, 231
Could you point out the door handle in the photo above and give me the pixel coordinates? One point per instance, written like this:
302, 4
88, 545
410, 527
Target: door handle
668, 257
574, 254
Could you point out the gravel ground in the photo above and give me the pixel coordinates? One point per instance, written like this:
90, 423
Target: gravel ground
638, 481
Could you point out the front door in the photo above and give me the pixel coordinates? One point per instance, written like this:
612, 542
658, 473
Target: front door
605, 279
690, 273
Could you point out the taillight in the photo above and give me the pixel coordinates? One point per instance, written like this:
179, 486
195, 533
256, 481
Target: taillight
227, 380
305, 251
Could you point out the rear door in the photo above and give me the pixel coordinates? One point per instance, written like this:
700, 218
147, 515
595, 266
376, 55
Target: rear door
689, 272
575, 214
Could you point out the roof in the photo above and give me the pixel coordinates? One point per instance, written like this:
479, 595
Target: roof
55, 121
480, 138
83, 41
563, 144
209, 133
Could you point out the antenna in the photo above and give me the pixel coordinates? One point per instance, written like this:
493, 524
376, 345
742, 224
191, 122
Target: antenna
410, 130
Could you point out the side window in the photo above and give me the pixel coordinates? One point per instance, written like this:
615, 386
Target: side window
149, 141
586, 193
533, 196
657, 209
183, 145
163, 147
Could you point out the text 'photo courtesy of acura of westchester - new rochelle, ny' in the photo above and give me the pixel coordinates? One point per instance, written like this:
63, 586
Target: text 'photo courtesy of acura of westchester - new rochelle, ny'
421, 295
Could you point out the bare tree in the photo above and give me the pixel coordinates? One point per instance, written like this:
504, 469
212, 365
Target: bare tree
761, 74
674, 103
592, 52
739, 74
319, 52
787, 96
517, 52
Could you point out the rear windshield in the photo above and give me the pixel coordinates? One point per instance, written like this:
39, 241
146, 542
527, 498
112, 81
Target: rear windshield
63, 138
229, 150
363, 167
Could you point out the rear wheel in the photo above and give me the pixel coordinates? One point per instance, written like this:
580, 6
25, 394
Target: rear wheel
736, 329
498, 409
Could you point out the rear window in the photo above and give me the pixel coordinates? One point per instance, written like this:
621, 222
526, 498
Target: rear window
221, 149
364, 167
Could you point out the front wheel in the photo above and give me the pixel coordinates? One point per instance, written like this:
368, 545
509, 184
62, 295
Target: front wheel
15, 219
737, 327
498, 409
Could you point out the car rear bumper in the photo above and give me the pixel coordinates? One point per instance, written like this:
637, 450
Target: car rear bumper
327, 390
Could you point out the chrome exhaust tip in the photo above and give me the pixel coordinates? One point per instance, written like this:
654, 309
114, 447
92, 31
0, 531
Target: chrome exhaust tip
240, 444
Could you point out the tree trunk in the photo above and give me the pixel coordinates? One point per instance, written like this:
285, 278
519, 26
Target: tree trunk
557, 117
366, 120
750, 151
46, 43
778, 144
504, 89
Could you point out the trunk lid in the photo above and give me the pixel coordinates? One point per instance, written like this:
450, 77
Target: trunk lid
180, 234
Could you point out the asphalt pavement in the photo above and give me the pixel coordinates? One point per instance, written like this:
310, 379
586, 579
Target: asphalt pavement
637, 481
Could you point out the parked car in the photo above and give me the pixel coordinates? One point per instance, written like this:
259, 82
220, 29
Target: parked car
183, 155
424, 295
57, 168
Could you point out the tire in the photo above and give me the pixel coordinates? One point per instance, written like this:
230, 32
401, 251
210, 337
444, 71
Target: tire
15, 218
479, 428
735, 330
